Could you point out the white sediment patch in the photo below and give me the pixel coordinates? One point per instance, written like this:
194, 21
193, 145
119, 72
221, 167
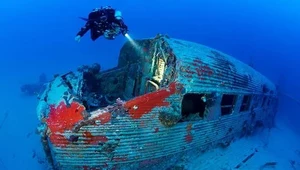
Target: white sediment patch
281, 146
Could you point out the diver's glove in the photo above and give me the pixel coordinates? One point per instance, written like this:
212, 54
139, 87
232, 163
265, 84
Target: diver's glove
78, 38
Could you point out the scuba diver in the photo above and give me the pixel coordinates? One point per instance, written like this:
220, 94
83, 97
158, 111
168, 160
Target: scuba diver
33, 89
105, 21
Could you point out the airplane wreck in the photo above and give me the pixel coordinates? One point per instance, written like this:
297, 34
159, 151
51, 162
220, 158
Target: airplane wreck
164, 98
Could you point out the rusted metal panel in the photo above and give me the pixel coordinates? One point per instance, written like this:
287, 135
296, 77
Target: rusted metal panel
122, 119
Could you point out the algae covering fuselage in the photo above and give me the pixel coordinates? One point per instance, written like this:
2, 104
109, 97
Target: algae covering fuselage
165, 98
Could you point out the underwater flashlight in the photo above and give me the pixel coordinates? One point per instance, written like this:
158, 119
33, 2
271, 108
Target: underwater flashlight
128, 37
131, 41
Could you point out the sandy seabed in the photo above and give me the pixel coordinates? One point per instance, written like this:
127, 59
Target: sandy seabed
277, 149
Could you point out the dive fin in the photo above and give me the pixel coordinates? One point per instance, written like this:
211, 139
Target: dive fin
85, 19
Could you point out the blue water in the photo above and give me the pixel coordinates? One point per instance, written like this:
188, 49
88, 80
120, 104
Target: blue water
38, 37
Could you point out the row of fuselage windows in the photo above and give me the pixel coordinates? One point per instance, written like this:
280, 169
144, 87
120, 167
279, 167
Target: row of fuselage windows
228, 102
194, 104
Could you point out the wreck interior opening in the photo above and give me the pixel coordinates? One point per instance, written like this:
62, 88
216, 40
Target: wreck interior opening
245, 106
99, 89
269, 102
227, 104
90, 86
141, 70
193, 106
264, 101
256, 100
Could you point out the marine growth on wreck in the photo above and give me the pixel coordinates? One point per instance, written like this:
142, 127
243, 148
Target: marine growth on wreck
164, 98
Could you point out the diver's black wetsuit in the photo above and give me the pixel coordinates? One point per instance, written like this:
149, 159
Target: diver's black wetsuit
100, 20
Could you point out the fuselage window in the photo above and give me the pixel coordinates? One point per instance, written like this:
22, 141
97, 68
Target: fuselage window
245, 103
193, 105
227, 104
264, 101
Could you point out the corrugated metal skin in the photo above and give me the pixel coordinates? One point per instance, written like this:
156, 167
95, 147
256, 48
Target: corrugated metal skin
205, 69
143, 143
138, 143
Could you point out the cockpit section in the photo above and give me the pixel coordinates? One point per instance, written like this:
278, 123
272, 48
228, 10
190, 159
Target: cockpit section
144, 67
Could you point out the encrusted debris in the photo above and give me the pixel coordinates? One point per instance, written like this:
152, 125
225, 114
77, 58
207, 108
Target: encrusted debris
246, 159
268, 165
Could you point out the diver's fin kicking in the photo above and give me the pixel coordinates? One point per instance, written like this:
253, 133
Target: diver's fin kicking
85, 19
